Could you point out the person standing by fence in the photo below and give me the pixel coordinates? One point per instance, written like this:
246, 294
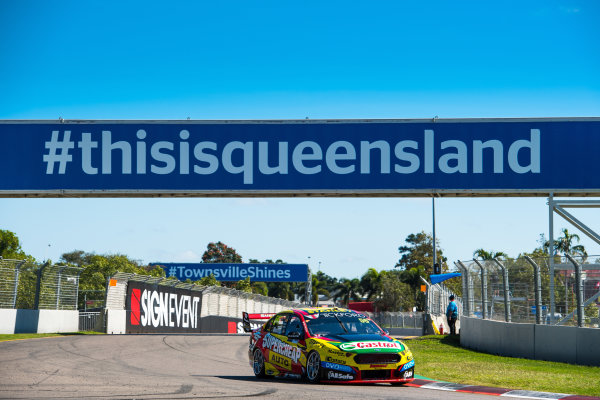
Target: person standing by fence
452, 315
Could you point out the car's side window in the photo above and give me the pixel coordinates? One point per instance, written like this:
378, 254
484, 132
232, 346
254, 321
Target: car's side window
279, 322
294, 325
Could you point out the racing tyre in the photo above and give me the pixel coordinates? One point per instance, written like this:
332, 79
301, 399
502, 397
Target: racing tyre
258, 364
313, 367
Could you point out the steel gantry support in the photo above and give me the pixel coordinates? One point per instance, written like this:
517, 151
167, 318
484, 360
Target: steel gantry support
484, 300
558, 206
507, 316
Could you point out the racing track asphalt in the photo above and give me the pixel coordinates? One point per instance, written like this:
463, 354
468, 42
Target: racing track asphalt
163, 367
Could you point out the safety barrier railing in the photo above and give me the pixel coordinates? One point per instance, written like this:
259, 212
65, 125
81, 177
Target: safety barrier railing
523, 289
25, 285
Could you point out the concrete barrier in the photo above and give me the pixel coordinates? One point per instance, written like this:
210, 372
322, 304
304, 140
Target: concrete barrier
556, 343
539, 342
38, 321
588, 350
8, 318
58, 321
116, 322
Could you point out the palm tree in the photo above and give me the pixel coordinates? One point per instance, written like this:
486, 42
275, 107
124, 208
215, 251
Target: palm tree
564, 244
370, 284
318, 288
347, 290
488, 255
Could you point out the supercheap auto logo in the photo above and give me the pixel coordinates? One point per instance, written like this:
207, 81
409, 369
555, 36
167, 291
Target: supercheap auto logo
280, 347
162, 309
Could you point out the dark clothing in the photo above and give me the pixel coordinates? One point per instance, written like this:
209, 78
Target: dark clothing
452, 325
452, 315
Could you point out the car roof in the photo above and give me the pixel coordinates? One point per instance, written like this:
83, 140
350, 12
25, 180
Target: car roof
313, 310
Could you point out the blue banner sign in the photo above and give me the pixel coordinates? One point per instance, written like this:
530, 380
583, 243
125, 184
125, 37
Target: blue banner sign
238, 272
228, 158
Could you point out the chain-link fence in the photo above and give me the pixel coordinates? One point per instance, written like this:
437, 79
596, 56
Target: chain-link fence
9, 282
519, 290
25, 285
398, 319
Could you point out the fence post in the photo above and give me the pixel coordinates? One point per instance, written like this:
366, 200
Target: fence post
484, 301
507, 316
58, 287
465, 284
578, 290
17, 271
538, 290
38, 286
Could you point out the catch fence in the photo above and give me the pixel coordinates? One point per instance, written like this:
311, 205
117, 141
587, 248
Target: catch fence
26, 285
216, 300
520, 290
389, 319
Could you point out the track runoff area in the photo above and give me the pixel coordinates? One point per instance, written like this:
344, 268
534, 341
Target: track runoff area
401, 158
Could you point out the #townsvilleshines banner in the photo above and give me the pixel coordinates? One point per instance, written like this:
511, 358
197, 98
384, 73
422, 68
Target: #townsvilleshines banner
237, 272
343, 157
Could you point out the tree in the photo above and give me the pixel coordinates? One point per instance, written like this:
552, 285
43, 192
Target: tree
244, 285
488, 255
412, 278
419, 252
220, 253
347, 290
10, 247
260, 288
564, 244
208, 281
97, 269
319, 287
370, 284
395, 295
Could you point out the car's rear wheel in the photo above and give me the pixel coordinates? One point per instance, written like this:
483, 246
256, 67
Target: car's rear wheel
313, 367
258, 364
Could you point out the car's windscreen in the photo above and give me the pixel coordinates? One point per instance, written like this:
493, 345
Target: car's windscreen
339, 324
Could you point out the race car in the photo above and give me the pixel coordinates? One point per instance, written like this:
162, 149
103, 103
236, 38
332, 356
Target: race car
327, 345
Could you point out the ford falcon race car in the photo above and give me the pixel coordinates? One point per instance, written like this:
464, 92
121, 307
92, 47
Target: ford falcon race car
325, 345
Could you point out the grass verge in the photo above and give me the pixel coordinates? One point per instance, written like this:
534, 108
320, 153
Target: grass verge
21, 336
442, 358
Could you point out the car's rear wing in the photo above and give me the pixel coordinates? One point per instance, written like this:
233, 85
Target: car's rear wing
247, 317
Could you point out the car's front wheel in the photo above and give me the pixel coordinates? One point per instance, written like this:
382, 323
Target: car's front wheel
258, 364
313, 367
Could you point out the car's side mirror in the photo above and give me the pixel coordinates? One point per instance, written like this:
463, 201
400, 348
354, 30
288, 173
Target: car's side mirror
295, 335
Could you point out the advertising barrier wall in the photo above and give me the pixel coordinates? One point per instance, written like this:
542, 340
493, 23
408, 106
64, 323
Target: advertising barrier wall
157, 308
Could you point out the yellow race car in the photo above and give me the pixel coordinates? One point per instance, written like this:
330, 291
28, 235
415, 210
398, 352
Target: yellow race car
327, 344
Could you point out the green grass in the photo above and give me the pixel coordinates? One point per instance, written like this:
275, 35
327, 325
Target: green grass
442, 358
21, 336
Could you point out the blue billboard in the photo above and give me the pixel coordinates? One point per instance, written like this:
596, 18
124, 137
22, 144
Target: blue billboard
237, 272
227, 158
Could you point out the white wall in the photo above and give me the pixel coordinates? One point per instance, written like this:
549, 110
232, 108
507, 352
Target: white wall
7, 321
116, 322
38, 321
58, 321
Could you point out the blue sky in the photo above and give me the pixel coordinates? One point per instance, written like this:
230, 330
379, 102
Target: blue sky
279, 59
